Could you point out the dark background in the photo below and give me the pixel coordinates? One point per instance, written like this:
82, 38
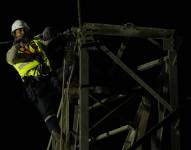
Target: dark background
21, 125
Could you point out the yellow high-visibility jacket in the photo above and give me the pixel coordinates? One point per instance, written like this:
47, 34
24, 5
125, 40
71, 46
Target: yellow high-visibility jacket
32, 66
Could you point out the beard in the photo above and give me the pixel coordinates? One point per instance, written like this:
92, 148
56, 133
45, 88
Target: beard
24, 40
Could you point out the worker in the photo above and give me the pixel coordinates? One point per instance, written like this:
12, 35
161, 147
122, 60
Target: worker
28, 56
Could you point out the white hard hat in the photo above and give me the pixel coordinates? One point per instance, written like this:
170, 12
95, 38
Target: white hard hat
19, 24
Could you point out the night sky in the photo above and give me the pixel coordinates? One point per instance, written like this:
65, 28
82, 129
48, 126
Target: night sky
20, 123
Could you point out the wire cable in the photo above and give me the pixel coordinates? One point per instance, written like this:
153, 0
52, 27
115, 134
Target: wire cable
6, 42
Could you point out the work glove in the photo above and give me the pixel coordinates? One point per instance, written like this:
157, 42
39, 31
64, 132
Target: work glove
49, 33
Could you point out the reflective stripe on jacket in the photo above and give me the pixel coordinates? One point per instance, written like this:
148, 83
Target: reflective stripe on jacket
27, 68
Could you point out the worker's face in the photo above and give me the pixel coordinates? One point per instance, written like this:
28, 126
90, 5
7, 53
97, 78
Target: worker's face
19, 33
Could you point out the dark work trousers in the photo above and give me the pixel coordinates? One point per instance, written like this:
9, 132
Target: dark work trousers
43, 92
